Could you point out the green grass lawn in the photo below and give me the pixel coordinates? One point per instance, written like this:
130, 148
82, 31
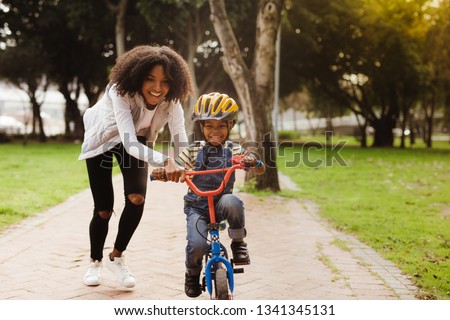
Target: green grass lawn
395, 200
37, 176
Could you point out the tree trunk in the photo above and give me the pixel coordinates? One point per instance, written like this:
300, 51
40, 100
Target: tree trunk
429, 140
363, 128
430, 122
328, 130
429, 109
120, 27
194, 38
74, 124
295, 120
403, 127
447, 112
119, 10
254, 88
37, 119
92, 95
384, 136
363, 136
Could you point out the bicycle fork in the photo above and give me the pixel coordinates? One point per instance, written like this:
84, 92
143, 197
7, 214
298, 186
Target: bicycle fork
215, 259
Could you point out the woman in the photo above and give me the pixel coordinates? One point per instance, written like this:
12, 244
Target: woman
144, 92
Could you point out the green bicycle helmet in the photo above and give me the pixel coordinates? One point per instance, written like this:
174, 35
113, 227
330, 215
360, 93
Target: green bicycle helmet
215, 106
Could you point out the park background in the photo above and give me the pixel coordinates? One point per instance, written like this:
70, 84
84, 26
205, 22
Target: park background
354, 93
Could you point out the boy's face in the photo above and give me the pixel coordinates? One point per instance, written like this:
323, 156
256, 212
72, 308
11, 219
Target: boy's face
216, 131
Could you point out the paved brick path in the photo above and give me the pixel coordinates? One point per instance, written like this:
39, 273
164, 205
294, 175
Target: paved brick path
294, 254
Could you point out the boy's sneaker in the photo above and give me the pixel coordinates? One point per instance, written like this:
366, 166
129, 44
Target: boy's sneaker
240, 252
92, 276
192, 285
120, 269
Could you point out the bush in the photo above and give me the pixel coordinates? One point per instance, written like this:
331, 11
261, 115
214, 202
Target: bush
288, 135
4, 138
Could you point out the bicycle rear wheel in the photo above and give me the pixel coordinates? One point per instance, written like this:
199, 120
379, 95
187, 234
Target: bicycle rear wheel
221, 285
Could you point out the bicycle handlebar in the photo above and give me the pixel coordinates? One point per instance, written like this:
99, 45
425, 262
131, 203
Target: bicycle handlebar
228, 171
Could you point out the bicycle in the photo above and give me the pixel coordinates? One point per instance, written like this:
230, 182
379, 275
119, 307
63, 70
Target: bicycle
219, 271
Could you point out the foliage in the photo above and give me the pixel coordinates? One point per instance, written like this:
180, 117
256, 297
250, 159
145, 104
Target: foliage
366, 55
288, 135
25, 64
191, 32
57, 55
394, 200
386, 60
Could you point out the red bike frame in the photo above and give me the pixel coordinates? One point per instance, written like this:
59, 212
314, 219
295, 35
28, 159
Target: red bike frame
211, 193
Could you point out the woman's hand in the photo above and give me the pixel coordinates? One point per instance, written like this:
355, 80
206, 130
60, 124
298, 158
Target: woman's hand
159, 174
174, 172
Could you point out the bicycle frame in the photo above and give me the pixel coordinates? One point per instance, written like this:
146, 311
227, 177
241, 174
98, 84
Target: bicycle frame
214, 231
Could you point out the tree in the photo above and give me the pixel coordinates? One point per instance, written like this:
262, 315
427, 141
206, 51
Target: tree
95, 35
362, 53
119, 10
436, 68
22, 66
322, 51
65, 63
298, 101
23, 59
75, 57
254, 85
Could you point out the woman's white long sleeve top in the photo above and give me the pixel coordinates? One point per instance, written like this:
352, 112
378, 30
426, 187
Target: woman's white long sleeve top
114, 119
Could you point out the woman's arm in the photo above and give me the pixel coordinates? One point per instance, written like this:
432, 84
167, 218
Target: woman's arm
178, 129
178, 133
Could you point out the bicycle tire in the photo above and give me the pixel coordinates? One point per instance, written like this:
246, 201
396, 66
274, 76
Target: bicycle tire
221, 284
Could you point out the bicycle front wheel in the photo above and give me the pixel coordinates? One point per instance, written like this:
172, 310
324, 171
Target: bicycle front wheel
221, 285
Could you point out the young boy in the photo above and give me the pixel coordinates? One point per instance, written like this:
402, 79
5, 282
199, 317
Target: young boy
217, 115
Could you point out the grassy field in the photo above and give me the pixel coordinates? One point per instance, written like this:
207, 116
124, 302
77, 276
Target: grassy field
395, 200
36, 177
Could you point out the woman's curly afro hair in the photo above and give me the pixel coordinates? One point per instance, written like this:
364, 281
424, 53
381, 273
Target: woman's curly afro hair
132, 68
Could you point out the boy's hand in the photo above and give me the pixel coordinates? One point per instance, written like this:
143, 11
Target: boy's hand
257, 166
249, 162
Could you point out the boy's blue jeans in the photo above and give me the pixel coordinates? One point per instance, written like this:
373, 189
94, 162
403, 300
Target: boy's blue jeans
229, 208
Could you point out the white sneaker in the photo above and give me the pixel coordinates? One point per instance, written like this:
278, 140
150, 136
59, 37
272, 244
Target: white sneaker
92, 276
120, 269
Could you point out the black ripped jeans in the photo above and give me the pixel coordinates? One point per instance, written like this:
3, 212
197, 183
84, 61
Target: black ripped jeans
134, 173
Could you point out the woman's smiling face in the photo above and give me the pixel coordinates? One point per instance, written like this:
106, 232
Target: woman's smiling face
155, 86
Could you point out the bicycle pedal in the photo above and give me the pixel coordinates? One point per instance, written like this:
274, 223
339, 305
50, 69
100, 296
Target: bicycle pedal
240, 263
238, 270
